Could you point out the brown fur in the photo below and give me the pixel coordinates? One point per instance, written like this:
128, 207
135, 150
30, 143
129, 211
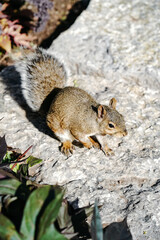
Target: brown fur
73, 113
76, 112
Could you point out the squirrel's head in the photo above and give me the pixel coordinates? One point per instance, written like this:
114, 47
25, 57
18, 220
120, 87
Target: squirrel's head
110, 120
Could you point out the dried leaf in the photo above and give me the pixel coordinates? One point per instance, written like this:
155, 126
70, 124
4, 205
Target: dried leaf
3, 23
4, 6
23, 39
5, 43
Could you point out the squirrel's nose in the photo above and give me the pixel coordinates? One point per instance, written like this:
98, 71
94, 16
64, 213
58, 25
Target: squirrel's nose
125, 133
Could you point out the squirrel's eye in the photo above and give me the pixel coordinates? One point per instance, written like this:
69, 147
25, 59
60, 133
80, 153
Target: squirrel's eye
111, 125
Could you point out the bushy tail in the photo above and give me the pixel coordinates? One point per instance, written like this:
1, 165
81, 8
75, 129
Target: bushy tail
40, 74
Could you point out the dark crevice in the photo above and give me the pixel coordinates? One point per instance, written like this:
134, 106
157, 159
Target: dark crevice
76, 10
156, 184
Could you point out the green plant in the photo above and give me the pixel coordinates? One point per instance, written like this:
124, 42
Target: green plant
32, 211
96, 225
41, 207
16, 161
29, 210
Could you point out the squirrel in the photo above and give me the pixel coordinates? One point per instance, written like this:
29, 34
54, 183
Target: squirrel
73, 113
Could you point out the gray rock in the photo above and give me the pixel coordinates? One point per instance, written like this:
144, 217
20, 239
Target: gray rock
112, 50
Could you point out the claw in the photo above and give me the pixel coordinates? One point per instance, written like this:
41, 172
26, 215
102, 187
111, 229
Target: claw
108, 151
67, 148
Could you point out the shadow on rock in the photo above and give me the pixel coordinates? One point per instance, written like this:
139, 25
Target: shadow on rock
117, 231
11, 78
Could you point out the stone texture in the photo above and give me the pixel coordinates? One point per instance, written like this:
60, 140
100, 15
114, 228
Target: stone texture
112, 50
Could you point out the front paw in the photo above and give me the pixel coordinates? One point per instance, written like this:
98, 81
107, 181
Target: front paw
94, 143
67, 148
108, 151
87, 144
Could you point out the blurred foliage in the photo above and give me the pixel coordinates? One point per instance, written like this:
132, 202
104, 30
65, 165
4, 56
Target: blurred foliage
28, 212
12, 159
11, 33
32, 211
41, 13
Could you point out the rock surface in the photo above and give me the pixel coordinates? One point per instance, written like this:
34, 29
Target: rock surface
112, 50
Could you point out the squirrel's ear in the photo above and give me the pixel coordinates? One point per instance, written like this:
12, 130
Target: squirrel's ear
112, 103
101, 111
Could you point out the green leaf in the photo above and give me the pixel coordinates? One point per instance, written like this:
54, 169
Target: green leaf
50, 215
52, 234
31, 211
16, 168
96, 225
9, 186
31, 161
63, 218
23, 170
3, 147
9, 157
7, 229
